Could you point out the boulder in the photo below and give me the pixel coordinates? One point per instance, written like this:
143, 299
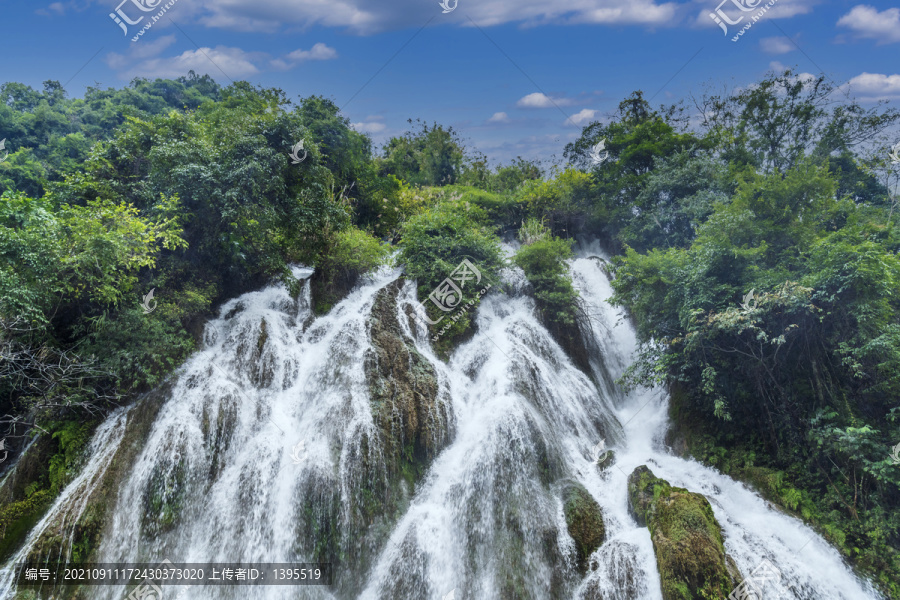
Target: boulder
687, 539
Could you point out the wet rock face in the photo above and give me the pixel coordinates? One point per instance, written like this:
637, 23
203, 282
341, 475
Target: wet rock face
403, 392
687, 539
584, 520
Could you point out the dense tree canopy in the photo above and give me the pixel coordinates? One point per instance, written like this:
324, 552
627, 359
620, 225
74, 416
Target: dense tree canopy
756, 252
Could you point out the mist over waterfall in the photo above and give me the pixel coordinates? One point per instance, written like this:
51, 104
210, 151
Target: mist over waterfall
274, 444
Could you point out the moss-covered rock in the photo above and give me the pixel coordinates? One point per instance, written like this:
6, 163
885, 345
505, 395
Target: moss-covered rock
404, 393
25, 494
78, 536
687, 539
584, 520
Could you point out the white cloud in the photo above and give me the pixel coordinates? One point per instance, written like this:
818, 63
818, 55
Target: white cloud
369, 127
782, 9
55, 8
780, 68
776, 45
584, 116
234, 62
541, 100
138, 52
499, 117
867, 22
318, 52
871, 87
367, 17
143, 60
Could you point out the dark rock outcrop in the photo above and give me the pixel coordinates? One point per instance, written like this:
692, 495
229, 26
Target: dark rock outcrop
403, 391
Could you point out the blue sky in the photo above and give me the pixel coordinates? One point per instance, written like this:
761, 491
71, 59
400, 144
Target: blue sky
514, 77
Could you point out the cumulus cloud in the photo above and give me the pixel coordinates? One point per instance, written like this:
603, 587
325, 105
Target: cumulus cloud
871, 87
584, 116
144, 60
233, 62
57, 8
499, 117
783, 9
369, 126
776, 45
319, 51
866, 22
366, 17
541, 100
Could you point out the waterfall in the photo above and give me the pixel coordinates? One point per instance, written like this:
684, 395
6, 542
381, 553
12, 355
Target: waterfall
267, 450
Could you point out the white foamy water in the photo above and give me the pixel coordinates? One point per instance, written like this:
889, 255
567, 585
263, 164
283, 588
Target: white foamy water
216, 481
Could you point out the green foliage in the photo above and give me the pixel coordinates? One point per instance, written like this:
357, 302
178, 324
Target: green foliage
775, 123
429, 155
352, 253
435, 242
635, 140
544, 263
563, 201
49, 135
805, 371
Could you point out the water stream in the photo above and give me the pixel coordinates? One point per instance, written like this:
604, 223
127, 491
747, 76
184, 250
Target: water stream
269, 433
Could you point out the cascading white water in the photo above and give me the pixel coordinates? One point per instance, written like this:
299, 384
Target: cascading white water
216, 480
62, 516
810, 568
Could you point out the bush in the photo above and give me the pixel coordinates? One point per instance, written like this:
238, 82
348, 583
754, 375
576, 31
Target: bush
352, 253
435, 242
544, 263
